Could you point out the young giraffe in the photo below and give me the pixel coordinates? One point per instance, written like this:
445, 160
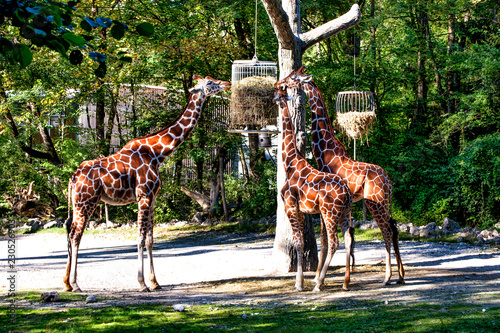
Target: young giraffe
131, 175
307, 190
366, 181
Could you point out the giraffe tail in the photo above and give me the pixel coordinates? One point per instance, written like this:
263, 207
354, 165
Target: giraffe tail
69, 221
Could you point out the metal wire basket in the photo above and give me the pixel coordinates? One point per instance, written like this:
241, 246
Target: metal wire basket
355, 112
252, 93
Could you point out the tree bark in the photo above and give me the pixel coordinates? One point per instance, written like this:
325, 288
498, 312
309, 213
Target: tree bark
285, 19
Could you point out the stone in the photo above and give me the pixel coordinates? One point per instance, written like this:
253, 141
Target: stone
431, 227
424, 232
486, 234
91, 299
179, 308
497, 225
52, 296
35, 226
50, 224
181, 223
414, 231
197, 218
450, 226
404, 227
244, 316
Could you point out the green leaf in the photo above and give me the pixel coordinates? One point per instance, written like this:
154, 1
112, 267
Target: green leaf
126, 59
22, 54
74, 39
85, 26
75, 57
57, 46
145, 29
100, 71
117, 30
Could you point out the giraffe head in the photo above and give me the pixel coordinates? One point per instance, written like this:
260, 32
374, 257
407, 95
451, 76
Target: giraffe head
280, 94
296, 79
209, 86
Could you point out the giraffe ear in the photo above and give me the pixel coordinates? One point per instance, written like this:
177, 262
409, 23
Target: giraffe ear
197, 77
301, 69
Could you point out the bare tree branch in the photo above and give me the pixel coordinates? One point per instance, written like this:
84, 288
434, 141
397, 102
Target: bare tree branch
331, 28
279, 20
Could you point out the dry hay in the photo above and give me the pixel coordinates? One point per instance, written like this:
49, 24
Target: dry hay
354, 124
252, 102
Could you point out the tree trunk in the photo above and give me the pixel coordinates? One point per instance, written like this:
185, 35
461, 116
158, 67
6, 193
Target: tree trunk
420, 108
285, 19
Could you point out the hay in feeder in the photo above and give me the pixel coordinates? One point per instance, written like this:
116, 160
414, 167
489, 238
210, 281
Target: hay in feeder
354, 124
252, 102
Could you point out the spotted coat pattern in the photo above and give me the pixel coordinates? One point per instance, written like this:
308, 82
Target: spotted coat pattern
307, 190
131, 175
366, 181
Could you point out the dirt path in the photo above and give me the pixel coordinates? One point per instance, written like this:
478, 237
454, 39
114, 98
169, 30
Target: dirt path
238, 269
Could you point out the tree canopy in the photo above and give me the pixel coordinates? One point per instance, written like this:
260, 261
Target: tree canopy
432, 64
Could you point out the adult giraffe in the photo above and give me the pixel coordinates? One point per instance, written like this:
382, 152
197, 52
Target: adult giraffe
131, 175
366, 181
307, 190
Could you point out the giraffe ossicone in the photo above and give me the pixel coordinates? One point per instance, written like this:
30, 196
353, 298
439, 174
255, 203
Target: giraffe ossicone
131, 175
366, 181
307, 190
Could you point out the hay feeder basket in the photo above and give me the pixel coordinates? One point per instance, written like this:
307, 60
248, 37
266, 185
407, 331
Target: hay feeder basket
252, 92
355, 113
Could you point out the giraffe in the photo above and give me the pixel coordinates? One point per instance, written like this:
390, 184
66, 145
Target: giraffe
366, 181
131, 175
307, 190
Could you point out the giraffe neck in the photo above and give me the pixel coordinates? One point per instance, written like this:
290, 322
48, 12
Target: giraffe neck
329, 152
164, 141
289, 151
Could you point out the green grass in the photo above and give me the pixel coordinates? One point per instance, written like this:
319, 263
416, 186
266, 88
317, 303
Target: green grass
350, 316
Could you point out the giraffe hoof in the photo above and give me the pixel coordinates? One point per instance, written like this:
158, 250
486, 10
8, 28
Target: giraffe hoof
401, 282
386, 283
76, 290
144, 290
345, 288
155, 287
299, 289
317, 289
68, 288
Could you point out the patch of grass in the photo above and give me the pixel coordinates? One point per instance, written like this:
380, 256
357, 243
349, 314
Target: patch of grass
349, 316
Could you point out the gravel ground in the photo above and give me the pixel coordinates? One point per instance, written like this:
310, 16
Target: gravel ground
238, 268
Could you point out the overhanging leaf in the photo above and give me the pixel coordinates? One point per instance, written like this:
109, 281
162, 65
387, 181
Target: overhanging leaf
91, 22
101, 70
85, 26
145, 29
22, 54
75, 57
117, 30
96, 56
74, 39
104, 22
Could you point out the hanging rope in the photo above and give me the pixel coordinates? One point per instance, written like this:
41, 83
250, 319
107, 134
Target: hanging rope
255, 40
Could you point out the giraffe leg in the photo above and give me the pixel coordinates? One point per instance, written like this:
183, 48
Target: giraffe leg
324, 249
297, 222
149, 247
142, 222
75, 232
381, 215
332, 247
349, 242
395, 244
75, 244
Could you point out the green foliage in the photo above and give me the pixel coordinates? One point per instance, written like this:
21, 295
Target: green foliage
476, 175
